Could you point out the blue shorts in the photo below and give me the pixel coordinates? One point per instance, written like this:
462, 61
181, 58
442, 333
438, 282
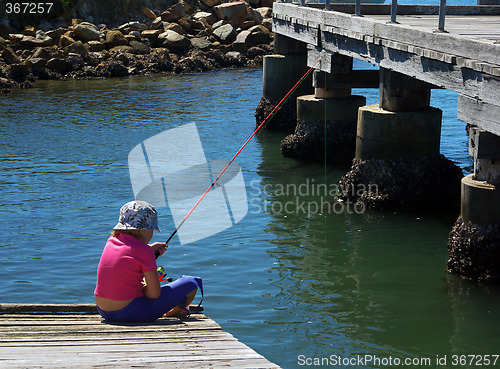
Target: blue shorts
144, 309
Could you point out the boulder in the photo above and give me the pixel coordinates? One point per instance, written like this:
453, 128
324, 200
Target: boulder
9, 56
55, 34
45, 25
202, 43
210, 18
139, 47
30, 31
36, 63
115, 38
174, 13
5, 28
254, 36
135, 34
122, 49
57, 65
235, 12
2, 41
174, 40
255, 51
219, 23
267, 3
226, 34
76, 47
148, 13
66, 40
42, 53
255, 3
151, 33
157, 23
31, 42
96, 46
211, 3
254, 16
86, 32
265, 12
268, 23
176, 28
19, 72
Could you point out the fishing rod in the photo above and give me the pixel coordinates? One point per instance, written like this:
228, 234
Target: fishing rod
270, 115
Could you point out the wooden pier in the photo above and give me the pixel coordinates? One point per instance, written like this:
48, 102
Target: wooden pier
70, 336
416, 50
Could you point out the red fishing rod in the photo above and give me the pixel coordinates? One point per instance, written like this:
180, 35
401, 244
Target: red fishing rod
271, 114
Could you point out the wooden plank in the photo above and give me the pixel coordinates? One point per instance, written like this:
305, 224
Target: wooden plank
438, 73
443, 42
69, 338
482, 114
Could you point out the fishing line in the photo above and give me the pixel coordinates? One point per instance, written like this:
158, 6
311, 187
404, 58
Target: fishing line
270, 115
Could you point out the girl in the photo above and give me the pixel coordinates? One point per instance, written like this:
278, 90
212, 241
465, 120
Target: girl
128, 288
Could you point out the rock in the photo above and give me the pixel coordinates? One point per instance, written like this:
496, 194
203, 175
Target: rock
202, 43
189, 25
122, 49
210, 18
19, 72
268, 23
139, 47
151, 33
131, 26
57, 65
255, 3
267, 3
31, 42
42, 53
226, 34
148, 13
66, 40
211, 3
77, 48
30, 31
233, 54
87, 32
176, 28
55, 34
134, 34
9, 56
254, 16
174, 13
174, 40
265, 12
219, 23
255, 51
2, 41
235, 12
260, 35
115, 38
36, 63
96, 46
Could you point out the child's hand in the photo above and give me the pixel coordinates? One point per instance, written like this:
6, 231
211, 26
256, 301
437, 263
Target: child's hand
159, 247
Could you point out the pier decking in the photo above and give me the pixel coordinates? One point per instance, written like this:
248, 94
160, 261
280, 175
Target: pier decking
69, 336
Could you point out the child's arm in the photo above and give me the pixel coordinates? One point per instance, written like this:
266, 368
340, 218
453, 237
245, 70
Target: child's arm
152, 288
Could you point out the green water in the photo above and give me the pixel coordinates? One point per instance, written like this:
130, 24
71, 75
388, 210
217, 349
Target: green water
299, 284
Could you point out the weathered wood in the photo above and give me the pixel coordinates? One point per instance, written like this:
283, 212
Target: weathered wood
454, 44
480, 113
70, 336
408, 9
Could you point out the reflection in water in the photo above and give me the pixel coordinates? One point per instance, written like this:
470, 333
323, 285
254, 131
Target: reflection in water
371, 283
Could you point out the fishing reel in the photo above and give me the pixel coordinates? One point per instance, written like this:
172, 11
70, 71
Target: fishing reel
162, 276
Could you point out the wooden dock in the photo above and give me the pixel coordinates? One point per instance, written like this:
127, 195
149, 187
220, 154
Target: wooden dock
70, 336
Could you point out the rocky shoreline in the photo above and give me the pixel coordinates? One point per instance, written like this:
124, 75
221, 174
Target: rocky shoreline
208, 35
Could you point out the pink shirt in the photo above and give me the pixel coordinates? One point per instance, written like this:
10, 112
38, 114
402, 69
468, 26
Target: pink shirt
121, 269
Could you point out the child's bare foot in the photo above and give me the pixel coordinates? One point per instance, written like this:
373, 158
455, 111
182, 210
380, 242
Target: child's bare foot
178, 312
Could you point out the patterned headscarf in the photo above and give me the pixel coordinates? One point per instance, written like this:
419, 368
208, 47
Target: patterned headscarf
138, 215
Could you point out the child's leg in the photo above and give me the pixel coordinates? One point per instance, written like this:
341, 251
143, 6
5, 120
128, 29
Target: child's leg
179, 293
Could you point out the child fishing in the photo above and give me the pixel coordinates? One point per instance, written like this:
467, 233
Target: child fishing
128, 288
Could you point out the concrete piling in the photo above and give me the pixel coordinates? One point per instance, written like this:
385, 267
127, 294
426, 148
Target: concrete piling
280, 73
474, 243
397, 149
326, 121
